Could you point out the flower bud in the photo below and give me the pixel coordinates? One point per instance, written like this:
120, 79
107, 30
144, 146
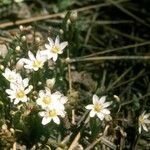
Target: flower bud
20, 64
23, 38
50, 83
21, 28
37, 39
73, 16
1, 67
18, 48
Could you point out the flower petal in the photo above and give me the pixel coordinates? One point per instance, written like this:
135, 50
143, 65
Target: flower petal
56, 120
92, 113
105, 111
57, 41
63, 45
102, 99
46, 120
89, 106
31, 56
95, 99
100, 116
107, 104
144, 127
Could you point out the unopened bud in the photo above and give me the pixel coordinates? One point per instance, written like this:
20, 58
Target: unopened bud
23, 38
20, 64
73, 16
37, 39
30, 87
61, 31
4, 127
12, 130
18, 48
117, 98
108, 118
50, 83
1, 67
68, 21
21, 28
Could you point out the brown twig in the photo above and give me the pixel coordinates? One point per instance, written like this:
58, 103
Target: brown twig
43, 17
100, 58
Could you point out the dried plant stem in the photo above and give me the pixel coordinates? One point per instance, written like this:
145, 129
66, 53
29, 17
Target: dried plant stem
108, 58
43, 17
117, 49
75, 141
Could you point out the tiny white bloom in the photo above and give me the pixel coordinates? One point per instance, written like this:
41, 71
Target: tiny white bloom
99, 107
18, 92
51, 114
34, 63
11, 76
48, 100
54, 48
143, 120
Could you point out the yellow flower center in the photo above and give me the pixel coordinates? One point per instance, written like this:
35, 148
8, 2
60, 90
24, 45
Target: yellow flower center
20, 94
55, 49
141, 120
98, 107
52, 113
36, 64
47, 100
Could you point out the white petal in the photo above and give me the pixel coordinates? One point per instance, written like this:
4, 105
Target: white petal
106, 104
46, 120
89, 107
42, 113
63, 99
27, 90
63, 45
146, 121
31, 56
51, 42
48, 47
57, 41
55, 57
10, 92
146, 115
144, 127
25, 82
56, 120
16, 101
95, 99
28, 66
140, 129
105, 111
92, 113
102, 99
100, 116
24, 99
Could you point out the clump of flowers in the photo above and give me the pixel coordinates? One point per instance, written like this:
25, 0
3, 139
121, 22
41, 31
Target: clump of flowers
99, 107
51, 104
143, 121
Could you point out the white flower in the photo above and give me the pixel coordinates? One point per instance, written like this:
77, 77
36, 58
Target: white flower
48, 100
18, 92
33, 62
11, 76
51, 114
54, 48
143, 120
99, 107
